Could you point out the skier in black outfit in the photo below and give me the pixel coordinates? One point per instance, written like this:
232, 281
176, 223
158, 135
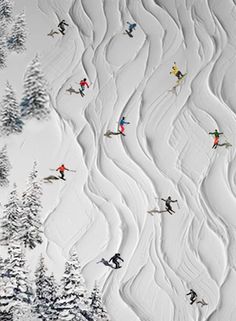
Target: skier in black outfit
115, 259
61, 26
193, 296
168, 206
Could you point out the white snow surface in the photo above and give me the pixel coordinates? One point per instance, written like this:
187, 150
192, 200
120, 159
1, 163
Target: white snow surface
102, 208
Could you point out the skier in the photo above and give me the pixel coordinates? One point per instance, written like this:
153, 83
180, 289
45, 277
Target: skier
61, 170
167, 204
83, 83
132, 27
217, 136
61, 26
176, 72
121, 125
193, 296
115, 259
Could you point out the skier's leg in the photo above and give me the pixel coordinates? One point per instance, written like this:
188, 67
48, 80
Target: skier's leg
62, 174
122, 128
117, 264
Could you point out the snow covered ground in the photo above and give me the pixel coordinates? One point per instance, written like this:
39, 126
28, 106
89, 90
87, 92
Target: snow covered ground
102, 208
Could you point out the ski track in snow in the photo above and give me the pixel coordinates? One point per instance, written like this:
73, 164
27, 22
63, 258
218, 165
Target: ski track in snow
166, 151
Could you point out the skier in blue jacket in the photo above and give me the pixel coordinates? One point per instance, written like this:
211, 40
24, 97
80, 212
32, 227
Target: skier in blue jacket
132, 26
122, 123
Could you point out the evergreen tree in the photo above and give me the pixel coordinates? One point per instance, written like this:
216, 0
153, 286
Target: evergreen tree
35, 100
17, 39
46, 290
6, 10
10, 116
98, 309
3, 51
71, 304
15, 289
18, 275
31, 206
5, 167
12, 219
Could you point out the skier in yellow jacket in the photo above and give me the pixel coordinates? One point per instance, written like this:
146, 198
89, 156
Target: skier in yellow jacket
176, 72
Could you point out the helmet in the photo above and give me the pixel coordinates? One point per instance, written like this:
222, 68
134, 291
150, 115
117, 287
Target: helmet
117, 254
85, 79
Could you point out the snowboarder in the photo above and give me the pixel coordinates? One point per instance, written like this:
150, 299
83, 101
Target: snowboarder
176, 72
167, 204
216, 139
115, 259
61, 26
131, 27
83, 83
121, 125
61, 170
193, 296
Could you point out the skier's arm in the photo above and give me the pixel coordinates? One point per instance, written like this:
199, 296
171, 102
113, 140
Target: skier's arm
221, 133
121, 259
110, 259
58, 169
174, 201
163, 199
66, 24
67, 169
129, 23
211, 133
87, 85
188, 293
126, 122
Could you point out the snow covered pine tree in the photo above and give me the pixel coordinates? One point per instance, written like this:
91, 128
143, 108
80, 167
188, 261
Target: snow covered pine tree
6, 10
17, 38
31, 206
11, 223
5, 167
45, 297
97, 308
35, 101
16, 292
71, 304
10, 115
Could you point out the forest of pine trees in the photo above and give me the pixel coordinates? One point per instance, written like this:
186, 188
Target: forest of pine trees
24, 299
34, 103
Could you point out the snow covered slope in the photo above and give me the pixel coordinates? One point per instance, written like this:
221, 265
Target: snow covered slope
102, 208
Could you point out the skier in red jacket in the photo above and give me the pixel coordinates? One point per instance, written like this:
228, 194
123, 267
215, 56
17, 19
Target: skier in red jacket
84, 83
61, 169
